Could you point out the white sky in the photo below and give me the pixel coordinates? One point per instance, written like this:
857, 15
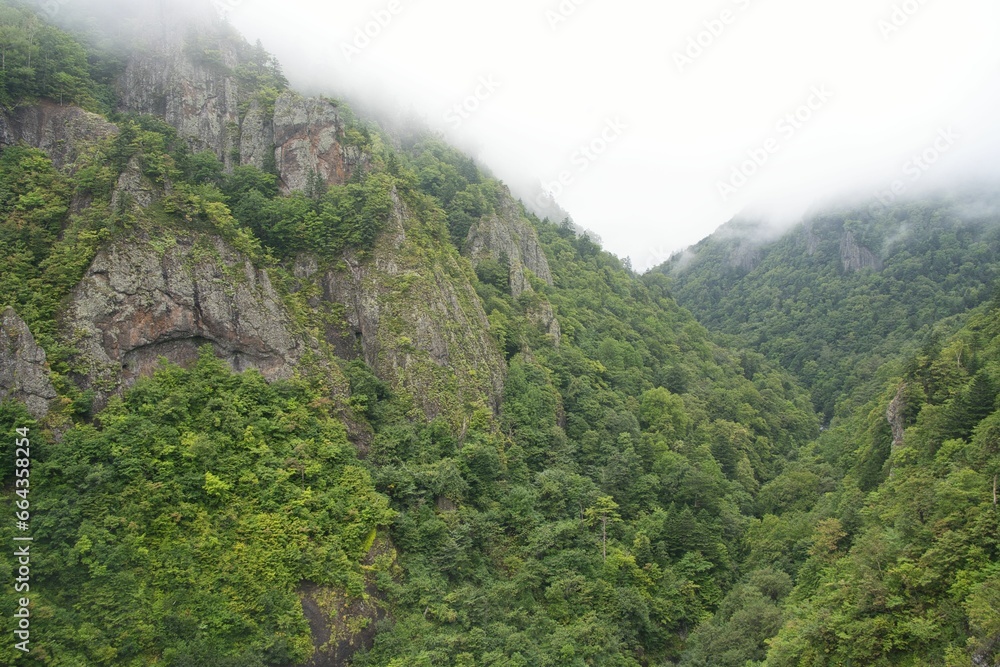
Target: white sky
654, 189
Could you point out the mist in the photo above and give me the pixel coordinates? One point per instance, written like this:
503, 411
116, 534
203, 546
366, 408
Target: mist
652, 124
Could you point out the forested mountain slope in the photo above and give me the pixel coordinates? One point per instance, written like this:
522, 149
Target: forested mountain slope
837, 296
912, 578
888, 526
878, 545
301, 393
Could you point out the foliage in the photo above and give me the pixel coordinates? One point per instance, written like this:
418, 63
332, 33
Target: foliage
38, 60
908, 584
179, 527
598, 524
642, 495
792, 299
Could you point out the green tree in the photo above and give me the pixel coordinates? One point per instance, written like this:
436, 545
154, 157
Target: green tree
604, 511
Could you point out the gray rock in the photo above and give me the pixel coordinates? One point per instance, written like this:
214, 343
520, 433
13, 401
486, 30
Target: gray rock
855, 257
201, 98
507, 235
308, 140
143, 299
191, 91
23, 371
132, 189
62, 132
416, 320
257, 137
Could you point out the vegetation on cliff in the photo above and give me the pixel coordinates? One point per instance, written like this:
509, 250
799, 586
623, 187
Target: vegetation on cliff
570, 470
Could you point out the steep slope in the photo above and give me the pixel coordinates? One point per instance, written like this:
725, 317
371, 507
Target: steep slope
842, 293
911, 576
398, 420
23, 373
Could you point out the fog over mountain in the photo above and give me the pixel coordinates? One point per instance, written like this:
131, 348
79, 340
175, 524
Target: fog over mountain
288, 388
652, 124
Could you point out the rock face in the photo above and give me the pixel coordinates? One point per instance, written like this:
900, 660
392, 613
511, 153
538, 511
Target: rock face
146, 298
341, 625
811, 239
746, 257
308, 140
856, 257
257, 137
63, 132
188, 84
414, 318
23, 374
188, 81
506, 235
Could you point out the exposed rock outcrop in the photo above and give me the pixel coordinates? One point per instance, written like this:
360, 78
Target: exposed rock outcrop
186, 80
133, 190
23, 372
341, 625
811, 239
415, 318
746, 257
62, 132
148, 298
855, 257
308, 141
505, 236
257, 137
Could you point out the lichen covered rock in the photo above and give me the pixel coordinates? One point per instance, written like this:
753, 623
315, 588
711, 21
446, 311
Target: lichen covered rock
23, 372
414, 317
308, 142
506, 236
149, 298
62, 132
174, 79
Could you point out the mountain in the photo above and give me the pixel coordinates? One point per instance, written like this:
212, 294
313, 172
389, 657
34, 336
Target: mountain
880, 538
299, 391
838, 296
283, 387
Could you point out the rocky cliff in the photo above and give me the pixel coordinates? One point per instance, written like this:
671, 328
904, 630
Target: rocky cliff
63, 132
23, 372
414, 317
146, 298
308, 138
192, 81
855, 257
187, 80
505, 236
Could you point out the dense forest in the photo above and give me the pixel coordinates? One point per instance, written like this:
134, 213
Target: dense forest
839, 296
801, 472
